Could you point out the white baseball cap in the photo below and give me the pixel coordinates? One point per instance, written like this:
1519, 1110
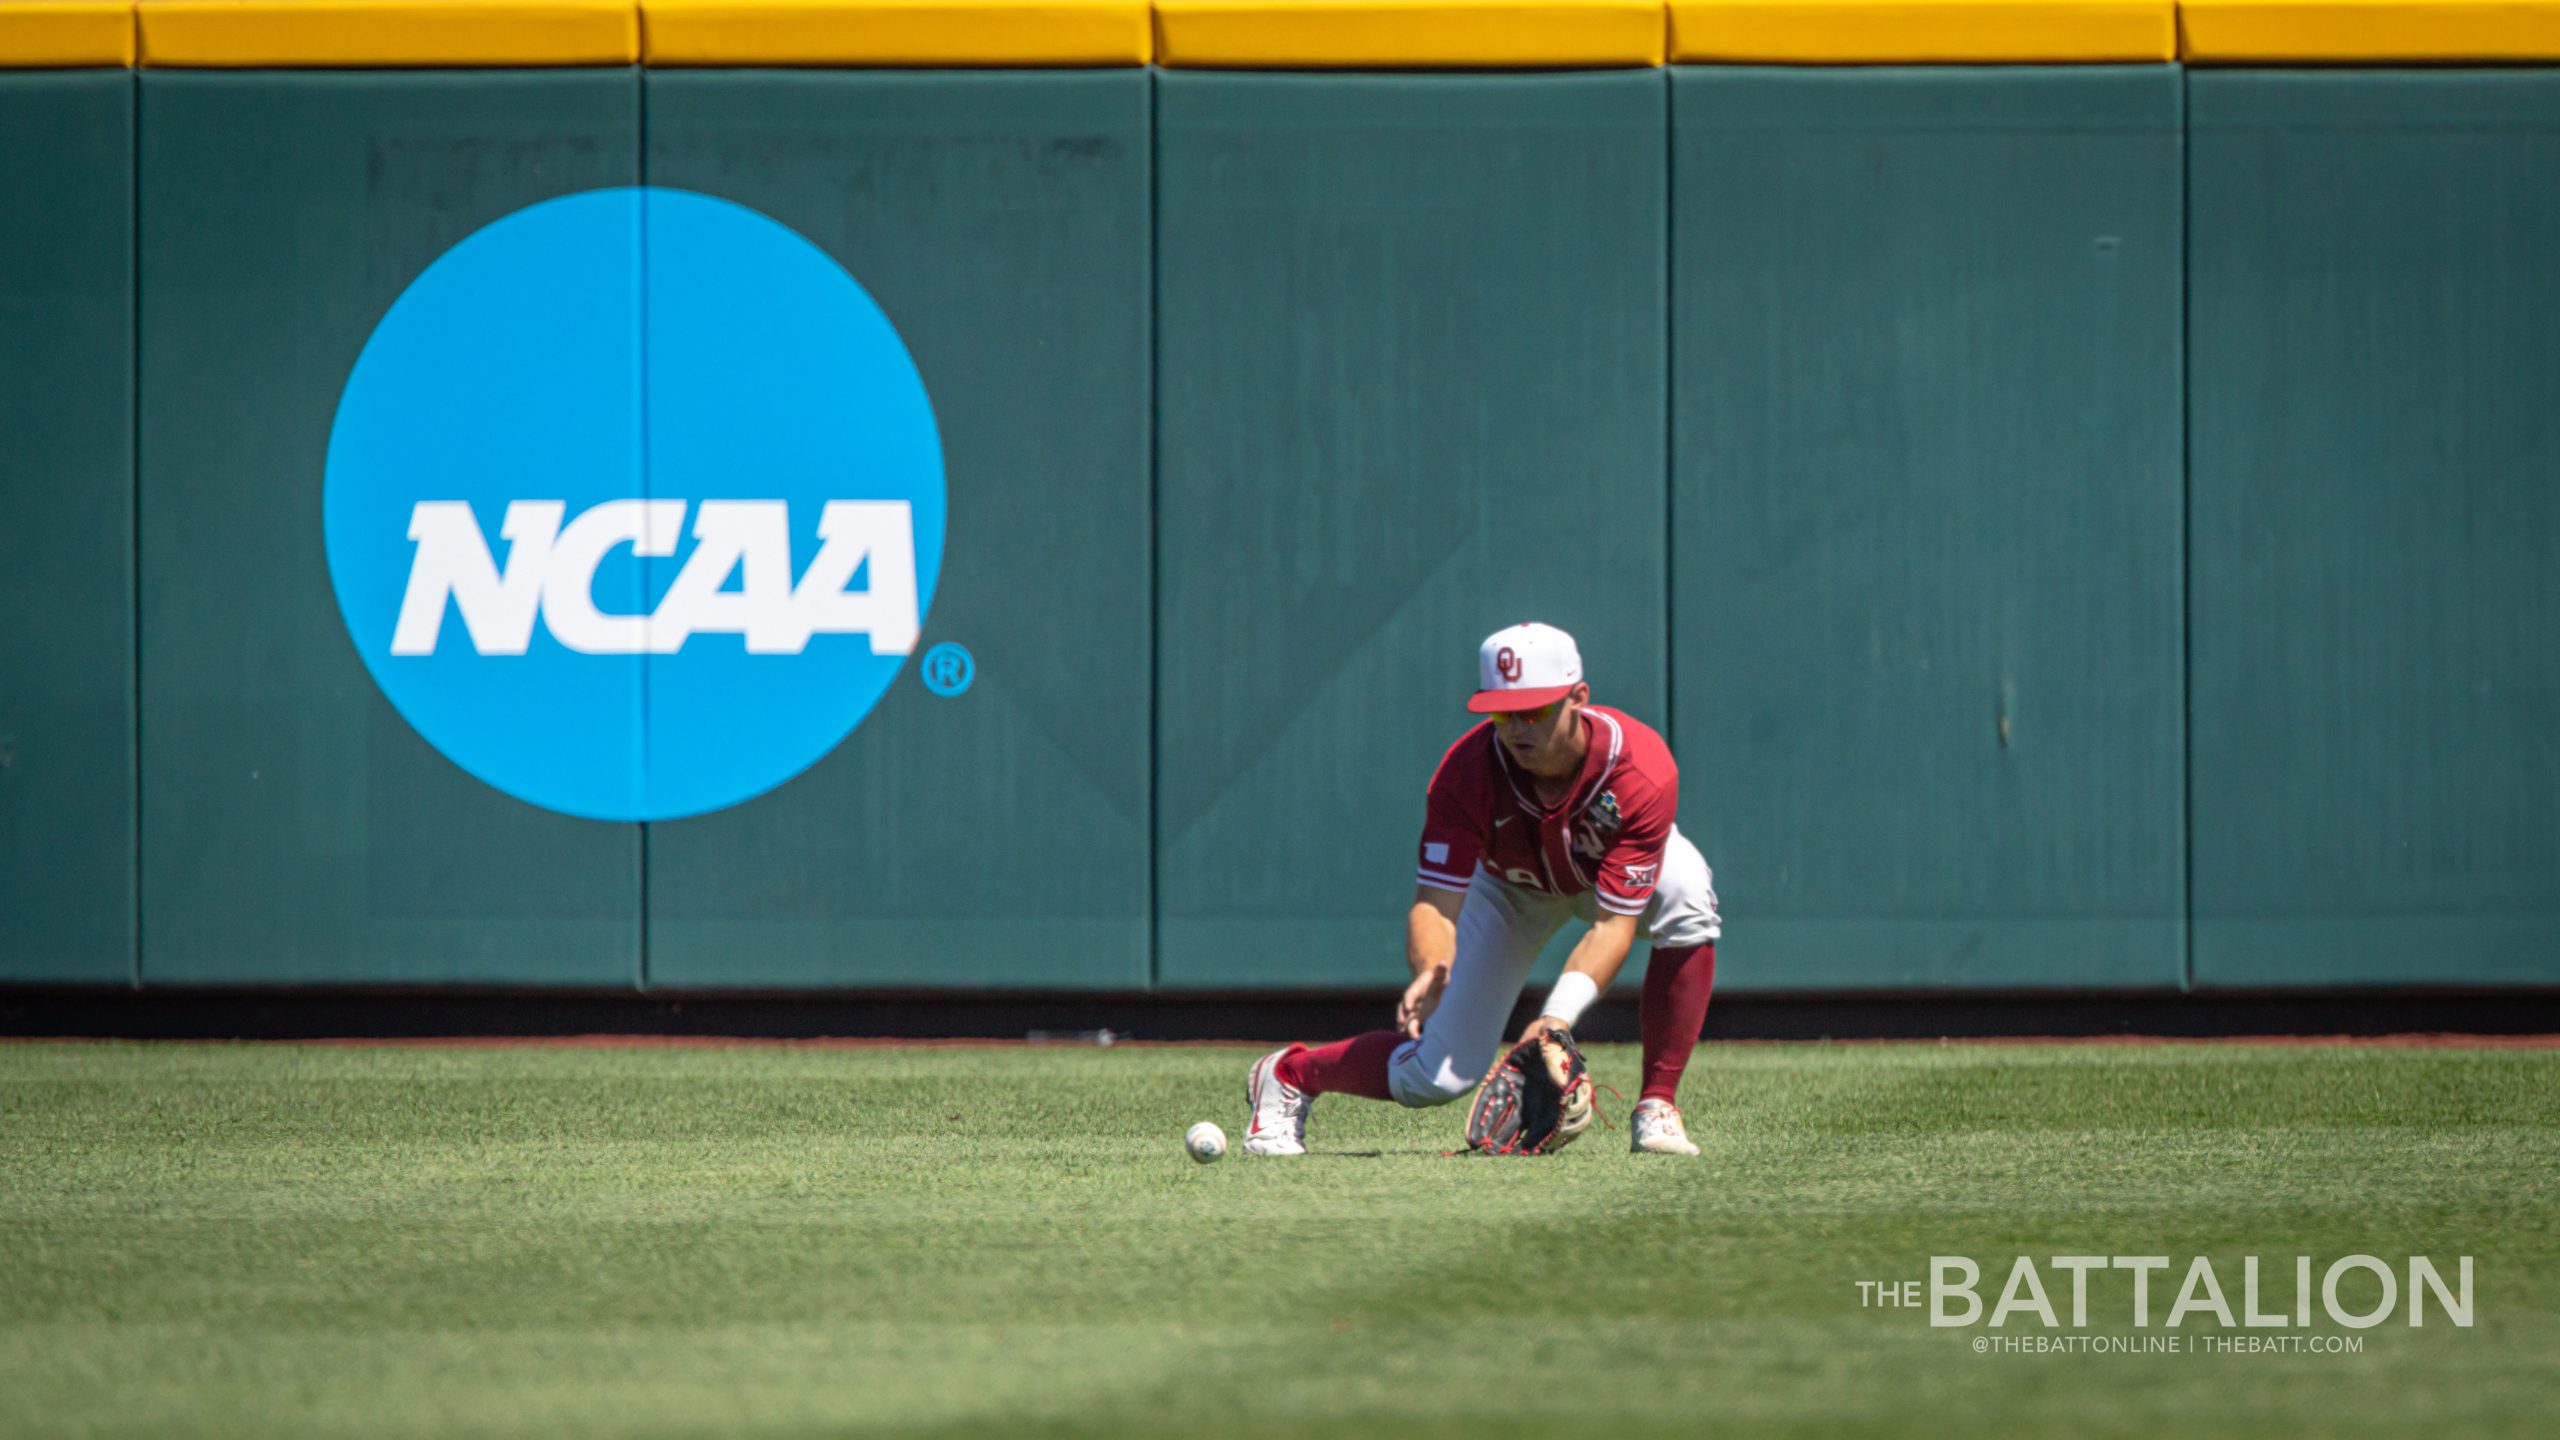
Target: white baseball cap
1524, 667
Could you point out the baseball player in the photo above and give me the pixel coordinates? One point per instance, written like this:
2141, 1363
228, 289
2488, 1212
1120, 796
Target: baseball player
1553, 808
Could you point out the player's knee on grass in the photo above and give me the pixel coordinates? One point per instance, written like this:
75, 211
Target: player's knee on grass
1420, 1081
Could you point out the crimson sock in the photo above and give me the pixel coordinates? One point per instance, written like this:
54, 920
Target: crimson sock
1676, 986
1357, 1066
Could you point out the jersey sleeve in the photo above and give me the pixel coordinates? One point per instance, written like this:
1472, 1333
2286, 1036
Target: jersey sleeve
1633, 864
1453, 827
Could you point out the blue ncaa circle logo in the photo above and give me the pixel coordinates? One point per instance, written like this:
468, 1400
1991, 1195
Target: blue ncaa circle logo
634, 504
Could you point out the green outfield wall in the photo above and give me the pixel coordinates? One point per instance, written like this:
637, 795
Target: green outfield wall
2374, 481
294, 828
1926, 518
67, 535
1001, 837
1411, 387
2083, 524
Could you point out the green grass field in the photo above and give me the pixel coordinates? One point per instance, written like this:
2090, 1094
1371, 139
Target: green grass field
277, 1240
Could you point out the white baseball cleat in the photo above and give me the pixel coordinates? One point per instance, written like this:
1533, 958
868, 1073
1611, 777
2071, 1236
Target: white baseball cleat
1279, 1125
1655, 1129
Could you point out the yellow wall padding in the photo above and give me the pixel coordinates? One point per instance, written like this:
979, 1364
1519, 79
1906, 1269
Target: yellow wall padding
1408, 34
896, 32
1923, 32
325, 34
47, 34
2369, 32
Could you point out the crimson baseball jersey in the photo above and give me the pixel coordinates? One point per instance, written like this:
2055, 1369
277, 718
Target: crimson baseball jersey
1607, 836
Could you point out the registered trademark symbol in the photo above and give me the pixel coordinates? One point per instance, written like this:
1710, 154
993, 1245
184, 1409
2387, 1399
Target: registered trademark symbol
948, 669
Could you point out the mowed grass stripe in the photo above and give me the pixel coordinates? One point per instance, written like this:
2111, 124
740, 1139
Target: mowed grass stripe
303, 1239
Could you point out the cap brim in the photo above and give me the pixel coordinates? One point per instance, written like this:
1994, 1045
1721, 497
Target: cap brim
1504, 702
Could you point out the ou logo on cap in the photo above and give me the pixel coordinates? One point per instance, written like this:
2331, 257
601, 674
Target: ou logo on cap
1507, 662
634, 504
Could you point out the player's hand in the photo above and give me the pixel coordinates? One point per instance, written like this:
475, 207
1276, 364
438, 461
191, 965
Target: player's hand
1420, 999
1538, 1027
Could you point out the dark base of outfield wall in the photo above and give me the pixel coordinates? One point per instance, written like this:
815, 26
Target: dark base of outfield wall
286, 1014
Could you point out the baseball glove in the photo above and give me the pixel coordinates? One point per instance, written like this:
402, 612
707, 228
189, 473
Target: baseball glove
1537, 1098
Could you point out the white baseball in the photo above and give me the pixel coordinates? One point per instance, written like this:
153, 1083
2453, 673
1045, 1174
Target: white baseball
1205, 1141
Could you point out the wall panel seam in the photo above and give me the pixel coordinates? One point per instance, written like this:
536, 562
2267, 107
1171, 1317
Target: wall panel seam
640, 350
2186, 553
1670, 403
1155, 530
134, 519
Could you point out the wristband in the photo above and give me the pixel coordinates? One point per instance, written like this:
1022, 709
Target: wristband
1573, 994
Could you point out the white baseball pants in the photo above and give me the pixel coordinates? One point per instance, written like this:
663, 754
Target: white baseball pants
1501, 929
